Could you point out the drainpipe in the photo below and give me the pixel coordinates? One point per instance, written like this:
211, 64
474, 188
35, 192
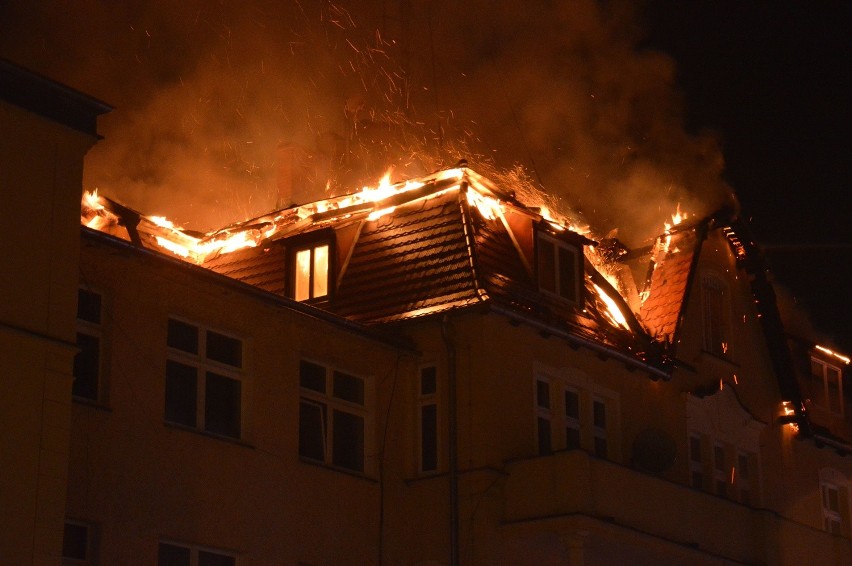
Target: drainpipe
446, 334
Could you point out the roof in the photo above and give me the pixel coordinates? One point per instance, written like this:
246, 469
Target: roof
50, 99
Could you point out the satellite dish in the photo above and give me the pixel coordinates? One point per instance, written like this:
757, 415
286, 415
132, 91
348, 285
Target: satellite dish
654, 451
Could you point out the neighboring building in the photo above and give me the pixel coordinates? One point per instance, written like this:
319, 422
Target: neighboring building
45, 130
434, 373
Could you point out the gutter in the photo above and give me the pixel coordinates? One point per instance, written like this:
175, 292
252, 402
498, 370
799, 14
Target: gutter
656, 373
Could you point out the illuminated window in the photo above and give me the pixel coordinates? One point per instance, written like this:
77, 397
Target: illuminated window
428, 405
543, 417
78, 544
559, 268
714, 307
310, 266
175, 554
87, 362
332, 413
203, 379
830, 383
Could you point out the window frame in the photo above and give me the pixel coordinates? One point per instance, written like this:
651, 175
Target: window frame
831, 517
91, 544
204, 366
195, 550
828, 394
329, 403
94, 330
425, 400
543, 416
559, 244
310, 242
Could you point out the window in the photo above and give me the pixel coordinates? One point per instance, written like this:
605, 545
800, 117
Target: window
572, 419
543, 416
559, 268
173, 554
720, 470
78, 546
428, 407
599, 427
830, 385
830, 508
743, 477
332, 414
203, 379
714, 306
696, 463
310, 268
87, 362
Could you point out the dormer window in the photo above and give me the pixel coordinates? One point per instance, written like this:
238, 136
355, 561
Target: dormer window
310, 268
829, 385
558, 267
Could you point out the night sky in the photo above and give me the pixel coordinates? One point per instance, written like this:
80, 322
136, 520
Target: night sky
620, 110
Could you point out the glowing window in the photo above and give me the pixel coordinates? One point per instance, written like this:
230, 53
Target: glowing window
310, 272
558, 268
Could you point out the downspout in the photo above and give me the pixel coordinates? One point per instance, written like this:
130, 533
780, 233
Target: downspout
446, 334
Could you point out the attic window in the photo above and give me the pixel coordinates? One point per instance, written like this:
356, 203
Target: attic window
558, 267
310, 269
829, 383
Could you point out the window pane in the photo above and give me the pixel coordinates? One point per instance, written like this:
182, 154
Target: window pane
181, 383
183, 336
816, 368
224, 349
207, 558
348, 388
172, 555
719, 458
742, 465
600, 447
697, 480
572, 438
599, 414
542, 394
572, 405
428, 381
75, 541
695, 449
320, 271
89, 306
222, 405
428, 438
312, 376
567, 274
546, 265
302, 276
348, 441
86, 367
312, 417
544, 444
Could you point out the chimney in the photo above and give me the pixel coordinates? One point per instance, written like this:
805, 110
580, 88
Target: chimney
296, 175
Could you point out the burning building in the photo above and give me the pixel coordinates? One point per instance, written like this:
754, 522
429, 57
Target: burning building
434, 371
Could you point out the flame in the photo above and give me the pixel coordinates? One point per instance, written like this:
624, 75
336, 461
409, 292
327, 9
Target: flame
93, 213
677, 218
489, 207
612, 308
834, 354
788, 409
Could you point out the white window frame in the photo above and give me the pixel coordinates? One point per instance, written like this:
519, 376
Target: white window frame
203, 365
827, 393
195, 549
832, 520
577, 267
332, 403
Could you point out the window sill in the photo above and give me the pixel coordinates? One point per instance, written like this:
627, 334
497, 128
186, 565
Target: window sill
91, 403
333, 468
204, 433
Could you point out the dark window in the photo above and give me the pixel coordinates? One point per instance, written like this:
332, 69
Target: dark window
572, 419
599, 414
75, 541
542, 394
183, 336
180, 555
429, 438
331, 430
547, 265
88, 306
600, 447
207, 558
87, 364
224, 349
544, 442
181, 393
203, 384
173, 555
428, 381
715, 314
222, 405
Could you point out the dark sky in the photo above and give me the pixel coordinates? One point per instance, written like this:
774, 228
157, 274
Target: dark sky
773, 80
621, 110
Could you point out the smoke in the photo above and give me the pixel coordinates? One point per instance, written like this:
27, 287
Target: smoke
205, 93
